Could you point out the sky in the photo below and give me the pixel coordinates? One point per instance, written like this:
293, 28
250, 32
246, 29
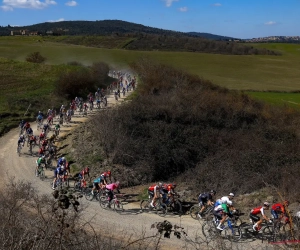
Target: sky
234, 18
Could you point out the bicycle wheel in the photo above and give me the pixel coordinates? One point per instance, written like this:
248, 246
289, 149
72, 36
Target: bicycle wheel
77, 186
118, 206
194, 210
268, 234
176, 207
145, 205
103, 202
89, 196
42, 174
209, 231
232, 234
161, 209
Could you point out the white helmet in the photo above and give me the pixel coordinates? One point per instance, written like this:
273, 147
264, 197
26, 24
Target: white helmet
63, 158
229, 203
231, 194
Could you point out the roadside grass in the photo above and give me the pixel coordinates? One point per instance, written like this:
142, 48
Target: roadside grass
277, 98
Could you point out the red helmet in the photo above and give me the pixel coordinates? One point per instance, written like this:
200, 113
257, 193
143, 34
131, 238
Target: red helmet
87, 169
108, 173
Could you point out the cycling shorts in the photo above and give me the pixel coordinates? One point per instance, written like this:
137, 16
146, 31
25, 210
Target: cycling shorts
254, 218
96, 185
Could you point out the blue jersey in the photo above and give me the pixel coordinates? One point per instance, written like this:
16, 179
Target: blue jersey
29, 131
61, 162
98, 180
59, 171
40, 117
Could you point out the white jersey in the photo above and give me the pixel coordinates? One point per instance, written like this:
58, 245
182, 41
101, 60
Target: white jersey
224, 200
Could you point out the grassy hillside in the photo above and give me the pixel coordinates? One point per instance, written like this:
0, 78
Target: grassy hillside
261, 73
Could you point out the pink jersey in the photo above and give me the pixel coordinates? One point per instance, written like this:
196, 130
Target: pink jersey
111, 186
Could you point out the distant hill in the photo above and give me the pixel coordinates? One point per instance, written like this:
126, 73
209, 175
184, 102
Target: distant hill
104, 27
210, 36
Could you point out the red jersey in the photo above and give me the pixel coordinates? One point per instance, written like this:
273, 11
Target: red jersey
258, 210
278, 207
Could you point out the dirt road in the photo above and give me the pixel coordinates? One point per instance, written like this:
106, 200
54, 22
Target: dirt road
130, 223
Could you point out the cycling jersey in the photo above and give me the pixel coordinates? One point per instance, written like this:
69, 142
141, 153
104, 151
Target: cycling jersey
59, 171
61, 162
111, 186
258, 210
277, 208
205, 197
223, 200
40, 160
29, 131
222, 208
40, 117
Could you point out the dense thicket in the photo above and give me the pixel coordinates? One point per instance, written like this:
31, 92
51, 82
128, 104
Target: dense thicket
81, 80
185, 128
151, 42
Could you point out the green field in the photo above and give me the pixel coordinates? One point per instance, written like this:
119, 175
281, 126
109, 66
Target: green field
265, 76
261, 73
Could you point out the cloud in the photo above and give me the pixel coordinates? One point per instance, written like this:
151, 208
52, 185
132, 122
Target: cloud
217, 4
169, 2
6, 8
71, 3
183, 9
55, 21
26, 4
270, 23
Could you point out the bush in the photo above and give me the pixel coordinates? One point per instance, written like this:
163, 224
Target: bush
35, 57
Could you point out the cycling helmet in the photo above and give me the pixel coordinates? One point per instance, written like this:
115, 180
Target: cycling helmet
117, 183
229, 203
63, 158
213, 192
109, 173
266, 204
160, 184
231, 194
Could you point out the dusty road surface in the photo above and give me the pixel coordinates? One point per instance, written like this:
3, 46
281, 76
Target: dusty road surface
130, 223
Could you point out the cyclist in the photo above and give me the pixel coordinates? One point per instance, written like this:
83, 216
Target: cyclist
32, 140
224, 199
40, 117
82, 174
46, 128
221, 212
42, 151
21, 141
42, 136
155, 192
57, 129
279, 210
59, 172
110, 190
39, 161
205, 199
52, 139
103, 178
169, 192
61, 162
21, 125
29, 131
256, 219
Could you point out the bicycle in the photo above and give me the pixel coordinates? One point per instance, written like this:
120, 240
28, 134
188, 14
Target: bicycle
106, 204
230, 231
159, 207
19, 149
97, 194
40, 172
195, 209
265, 233
61, 182
174, 206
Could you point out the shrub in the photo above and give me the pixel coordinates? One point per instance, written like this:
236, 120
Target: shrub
35, 57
